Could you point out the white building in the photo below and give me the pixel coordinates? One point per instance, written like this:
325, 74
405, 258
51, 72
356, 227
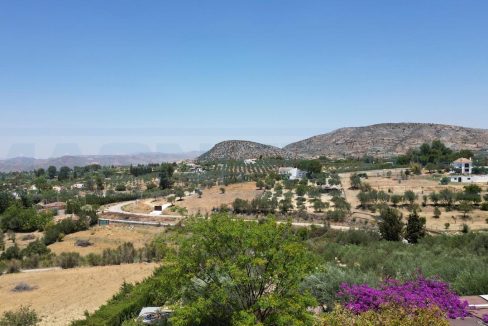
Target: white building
78, 186
469, 178
463, 165
250, 161
293, 173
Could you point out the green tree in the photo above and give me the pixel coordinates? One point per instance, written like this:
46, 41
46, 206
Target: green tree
472, 189
40, 172
415, 229
465, 207
239, 273
447, 197
6, 199
286, 205
51, 172
396, 199
41, 183
64, 173
364, 198
391, 225
166, 176
435, 198
260, 184
355, 181
319, 205
180, 193
410, 196
437, 212
19, 219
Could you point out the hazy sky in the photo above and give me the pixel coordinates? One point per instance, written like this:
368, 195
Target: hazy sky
84, 77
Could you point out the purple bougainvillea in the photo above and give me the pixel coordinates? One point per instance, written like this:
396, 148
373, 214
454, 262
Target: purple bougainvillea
485, 319
418, 293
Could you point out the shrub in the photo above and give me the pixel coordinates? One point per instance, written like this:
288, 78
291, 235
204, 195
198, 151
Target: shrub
83, 243
22, 317
23, 287
36, 248
387, 315
12, 253
69, 260
13, 266
484, 206
93, 259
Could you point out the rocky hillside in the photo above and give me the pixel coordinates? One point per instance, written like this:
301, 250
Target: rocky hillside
389, 139
241, 150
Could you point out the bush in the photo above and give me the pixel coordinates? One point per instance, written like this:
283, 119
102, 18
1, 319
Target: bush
387, 315
13, 266
23, 287
484, 206
22, 317
69, 260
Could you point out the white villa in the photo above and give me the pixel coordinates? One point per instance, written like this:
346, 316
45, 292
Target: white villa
250, 161
464, 165
293, 173
463, 172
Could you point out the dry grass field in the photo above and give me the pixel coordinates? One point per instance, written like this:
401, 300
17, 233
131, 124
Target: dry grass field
140, 206
61, 296
104, 237
210, 198
422, 185
214, 198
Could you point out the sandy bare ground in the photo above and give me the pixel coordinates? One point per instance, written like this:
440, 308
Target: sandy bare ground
422, 185
104, 237
62, 296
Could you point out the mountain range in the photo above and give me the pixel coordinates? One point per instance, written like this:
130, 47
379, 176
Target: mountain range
28, 164
379, 140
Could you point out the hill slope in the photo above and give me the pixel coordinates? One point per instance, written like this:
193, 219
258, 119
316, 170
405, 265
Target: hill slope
388, 139
241, 150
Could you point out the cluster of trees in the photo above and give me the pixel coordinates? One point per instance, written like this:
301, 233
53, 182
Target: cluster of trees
434, 156
392, 227
141, 169
20, 219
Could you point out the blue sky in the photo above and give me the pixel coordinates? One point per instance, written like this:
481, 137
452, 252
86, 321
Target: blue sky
80, 76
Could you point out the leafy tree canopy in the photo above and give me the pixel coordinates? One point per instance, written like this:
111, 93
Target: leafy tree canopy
240, 273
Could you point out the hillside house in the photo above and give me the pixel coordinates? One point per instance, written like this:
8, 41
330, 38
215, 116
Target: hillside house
463, 172
250, 161
292, 173
463, 166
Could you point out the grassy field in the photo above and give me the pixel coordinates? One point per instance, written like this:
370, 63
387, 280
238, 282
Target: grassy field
61, 296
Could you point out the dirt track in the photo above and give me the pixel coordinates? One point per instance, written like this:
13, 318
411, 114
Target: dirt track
62, 296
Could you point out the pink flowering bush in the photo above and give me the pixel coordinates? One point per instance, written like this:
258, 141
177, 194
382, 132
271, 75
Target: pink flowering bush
419, 293
485, 319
